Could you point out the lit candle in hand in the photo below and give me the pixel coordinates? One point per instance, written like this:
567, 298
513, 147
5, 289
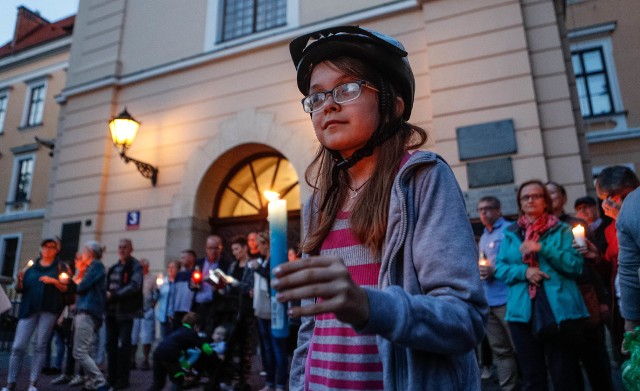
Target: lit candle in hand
578, 235
278, 254
63, 278
159, 280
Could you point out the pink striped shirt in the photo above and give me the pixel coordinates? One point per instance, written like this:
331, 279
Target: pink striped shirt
338, 357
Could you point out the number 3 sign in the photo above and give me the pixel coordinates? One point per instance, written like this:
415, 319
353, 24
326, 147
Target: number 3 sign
133, 220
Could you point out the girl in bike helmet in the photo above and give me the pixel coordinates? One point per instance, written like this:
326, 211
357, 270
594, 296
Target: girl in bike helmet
391, 296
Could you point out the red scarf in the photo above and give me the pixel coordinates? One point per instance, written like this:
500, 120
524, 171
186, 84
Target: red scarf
533, 231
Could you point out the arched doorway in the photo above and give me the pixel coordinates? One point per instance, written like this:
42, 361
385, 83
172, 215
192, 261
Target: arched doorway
239, 206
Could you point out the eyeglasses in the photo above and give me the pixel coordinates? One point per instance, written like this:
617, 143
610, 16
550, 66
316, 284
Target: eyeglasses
531, 197
342, 93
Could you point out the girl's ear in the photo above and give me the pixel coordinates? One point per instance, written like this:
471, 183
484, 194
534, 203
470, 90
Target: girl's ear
399, 106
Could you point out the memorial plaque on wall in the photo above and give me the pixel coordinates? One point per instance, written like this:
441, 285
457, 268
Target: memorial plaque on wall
490, 172
506, 195
488, 139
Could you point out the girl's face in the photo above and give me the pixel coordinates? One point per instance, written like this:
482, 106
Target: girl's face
343, 127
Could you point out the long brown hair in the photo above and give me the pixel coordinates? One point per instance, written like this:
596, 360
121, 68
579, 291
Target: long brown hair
371, 209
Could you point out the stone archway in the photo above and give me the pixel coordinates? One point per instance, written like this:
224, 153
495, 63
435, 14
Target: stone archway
247, 133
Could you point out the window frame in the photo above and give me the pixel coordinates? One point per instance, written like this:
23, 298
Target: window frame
3, 249
214, 25
11, 204
618, 113
28, 102
4, 104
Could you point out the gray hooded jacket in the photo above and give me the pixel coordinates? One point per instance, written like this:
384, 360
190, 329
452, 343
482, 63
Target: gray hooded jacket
429, 311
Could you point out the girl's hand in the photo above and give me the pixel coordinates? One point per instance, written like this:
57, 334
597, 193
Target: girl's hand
328, 279
529, 246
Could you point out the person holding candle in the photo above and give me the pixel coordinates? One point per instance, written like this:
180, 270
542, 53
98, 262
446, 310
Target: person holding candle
389, 279
40, 306
544, 305
496, 291
90, 306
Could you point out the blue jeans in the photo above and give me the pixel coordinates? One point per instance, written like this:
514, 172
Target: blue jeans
275, 355
42, 323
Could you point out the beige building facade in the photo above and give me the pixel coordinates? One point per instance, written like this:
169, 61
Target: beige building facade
221, 117
32, 71
603, 37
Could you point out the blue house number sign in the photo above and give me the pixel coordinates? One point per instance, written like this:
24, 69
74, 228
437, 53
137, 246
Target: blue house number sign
133, 220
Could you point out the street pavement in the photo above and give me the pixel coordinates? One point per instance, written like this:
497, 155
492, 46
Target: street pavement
141, 380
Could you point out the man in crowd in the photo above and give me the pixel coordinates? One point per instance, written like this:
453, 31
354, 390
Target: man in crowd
618, 186
252, 242
204, 293
496, 292
124, 303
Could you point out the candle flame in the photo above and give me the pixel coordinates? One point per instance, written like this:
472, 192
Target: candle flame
159, 280
271, 195
30, 263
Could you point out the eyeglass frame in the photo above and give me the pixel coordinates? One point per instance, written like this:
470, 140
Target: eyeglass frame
531, 197
324, 94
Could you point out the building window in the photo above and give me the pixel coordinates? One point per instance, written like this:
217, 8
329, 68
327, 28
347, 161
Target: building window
35, 105
4, 100
592, 82
245, 17
20, 191
243, 189
9, 255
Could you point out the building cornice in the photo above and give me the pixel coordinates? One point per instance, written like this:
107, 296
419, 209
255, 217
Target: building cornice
26, 215
232, 48
36, 53
592, 30
605, 136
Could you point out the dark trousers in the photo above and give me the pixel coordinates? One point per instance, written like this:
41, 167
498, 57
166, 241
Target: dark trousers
205, 310
118, 349
160, 371
595, 358
66, 335
536, 358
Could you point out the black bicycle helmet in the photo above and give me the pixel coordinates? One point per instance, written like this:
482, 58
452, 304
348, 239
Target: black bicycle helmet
382, 51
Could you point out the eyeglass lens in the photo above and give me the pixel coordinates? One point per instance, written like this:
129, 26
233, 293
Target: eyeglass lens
342, 93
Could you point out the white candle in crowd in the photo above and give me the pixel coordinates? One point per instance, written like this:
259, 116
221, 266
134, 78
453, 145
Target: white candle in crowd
578, 235
159, 280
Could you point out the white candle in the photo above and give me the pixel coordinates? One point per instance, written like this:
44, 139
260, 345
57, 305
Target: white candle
159, 280
278, 254
578, 235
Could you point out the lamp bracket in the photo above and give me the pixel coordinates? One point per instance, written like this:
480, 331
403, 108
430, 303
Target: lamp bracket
147, 170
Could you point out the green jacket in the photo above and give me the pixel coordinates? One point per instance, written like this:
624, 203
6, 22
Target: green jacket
557, 258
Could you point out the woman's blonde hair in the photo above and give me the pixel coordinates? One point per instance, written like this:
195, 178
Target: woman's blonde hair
370, 211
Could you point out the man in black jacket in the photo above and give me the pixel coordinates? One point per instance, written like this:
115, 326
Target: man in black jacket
124, 303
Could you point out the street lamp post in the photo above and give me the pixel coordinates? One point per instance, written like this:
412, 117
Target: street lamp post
123, 130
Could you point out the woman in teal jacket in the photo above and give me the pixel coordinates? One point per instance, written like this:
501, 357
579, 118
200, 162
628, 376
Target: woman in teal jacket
537, 260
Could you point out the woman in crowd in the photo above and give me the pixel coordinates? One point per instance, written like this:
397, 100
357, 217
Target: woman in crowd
537, 261
164, 311
40, 306
390, 301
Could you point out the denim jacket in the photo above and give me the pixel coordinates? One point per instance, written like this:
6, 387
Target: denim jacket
429, 310
92, 290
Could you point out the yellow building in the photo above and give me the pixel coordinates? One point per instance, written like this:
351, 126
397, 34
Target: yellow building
32, 71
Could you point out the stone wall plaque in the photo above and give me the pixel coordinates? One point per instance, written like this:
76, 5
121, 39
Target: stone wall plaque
490, 172
488, 139
506, 195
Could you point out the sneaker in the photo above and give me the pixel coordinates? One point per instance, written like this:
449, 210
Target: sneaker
486, 373
263, 373
61, 379
76, 380
32, 388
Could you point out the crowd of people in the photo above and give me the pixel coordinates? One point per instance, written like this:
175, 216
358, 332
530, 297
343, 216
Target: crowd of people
553, 292
392, 292
71, 304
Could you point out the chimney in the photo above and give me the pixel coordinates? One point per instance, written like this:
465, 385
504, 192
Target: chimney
26, 23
